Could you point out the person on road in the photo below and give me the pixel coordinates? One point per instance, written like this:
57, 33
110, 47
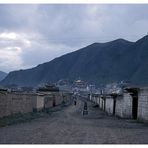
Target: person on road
85, 111
85, 105
75, 101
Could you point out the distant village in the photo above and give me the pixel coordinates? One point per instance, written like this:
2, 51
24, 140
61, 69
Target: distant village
116, 99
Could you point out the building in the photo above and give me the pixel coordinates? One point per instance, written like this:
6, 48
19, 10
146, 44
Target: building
124, 105
132, 103
142, 104
110, 106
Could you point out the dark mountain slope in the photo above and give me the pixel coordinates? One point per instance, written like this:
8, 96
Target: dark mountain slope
97, 63
140, 60
2, 75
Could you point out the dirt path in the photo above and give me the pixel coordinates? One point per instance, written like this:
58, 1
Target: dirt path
69, 126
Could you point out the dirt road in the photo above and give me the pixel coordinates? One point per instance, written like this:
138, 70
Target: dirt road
69, 126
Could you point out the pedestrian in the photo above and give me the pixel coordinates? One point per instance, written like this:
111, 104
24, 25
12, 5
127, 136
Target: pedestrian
85, 111
75, 101
85, 105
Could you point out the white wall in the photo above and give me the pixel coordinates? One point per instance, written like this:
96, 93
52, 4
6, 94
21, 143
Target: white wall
143, 104
40, 102
124, 106
109, 105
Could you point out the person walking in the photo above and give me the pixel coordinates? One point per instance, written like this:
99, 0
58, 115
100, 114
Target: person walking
75, 101
85, 111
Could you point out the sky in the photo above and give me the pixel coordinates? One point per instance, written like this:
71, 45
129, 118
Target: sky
36, 33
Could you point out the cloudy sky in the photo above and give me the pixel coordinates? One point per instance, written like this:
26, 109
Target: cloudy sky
34, 34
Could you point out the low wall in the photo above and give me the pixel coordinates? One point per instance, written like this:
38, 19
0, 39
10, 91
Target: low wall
18, 102
11, 103
58, 99
54, 99
38, 102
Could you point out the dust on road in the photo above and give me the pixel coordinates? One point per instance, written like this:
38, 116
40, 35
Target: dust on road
69, 126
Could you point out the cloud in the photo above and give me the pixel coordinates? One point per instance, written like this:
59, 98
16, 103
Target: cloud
20, 50
33, 34
10, 58
42, 51
8, 35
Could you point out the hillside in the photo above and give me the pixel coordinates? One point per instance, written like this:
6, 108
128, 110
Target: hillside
2, 75
98, 63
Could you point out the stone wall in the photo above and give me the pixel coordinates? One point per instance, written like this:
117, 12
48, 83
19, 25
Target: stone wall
124, 106
143, 104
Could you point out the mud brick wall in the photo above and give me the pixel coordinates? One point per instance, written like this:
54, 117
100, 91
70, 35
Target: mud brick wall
12, 103
66, 97
143, 104
124, 106
58, 98
38, 102
21, 103
3, 104
48, 101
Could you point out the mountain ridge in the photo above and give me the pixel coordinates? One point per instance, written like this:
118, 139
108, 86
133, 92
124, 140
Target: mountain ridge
99, 63
2, 75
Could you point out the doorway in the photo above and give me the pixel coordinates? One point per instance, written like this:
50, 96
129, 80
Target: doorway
104, 104
134, 93
114, 96
114, 106
135, 105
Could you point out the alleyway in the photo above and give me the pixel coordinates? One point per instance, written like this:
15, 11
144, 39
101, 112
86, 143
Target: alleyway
69, 126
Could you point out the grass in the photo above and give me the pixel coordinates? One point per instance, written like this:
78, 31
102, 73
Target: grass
20, 118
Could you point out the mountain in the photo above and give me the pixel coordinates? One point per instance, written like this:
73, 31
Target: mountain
98, 63
2, 75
